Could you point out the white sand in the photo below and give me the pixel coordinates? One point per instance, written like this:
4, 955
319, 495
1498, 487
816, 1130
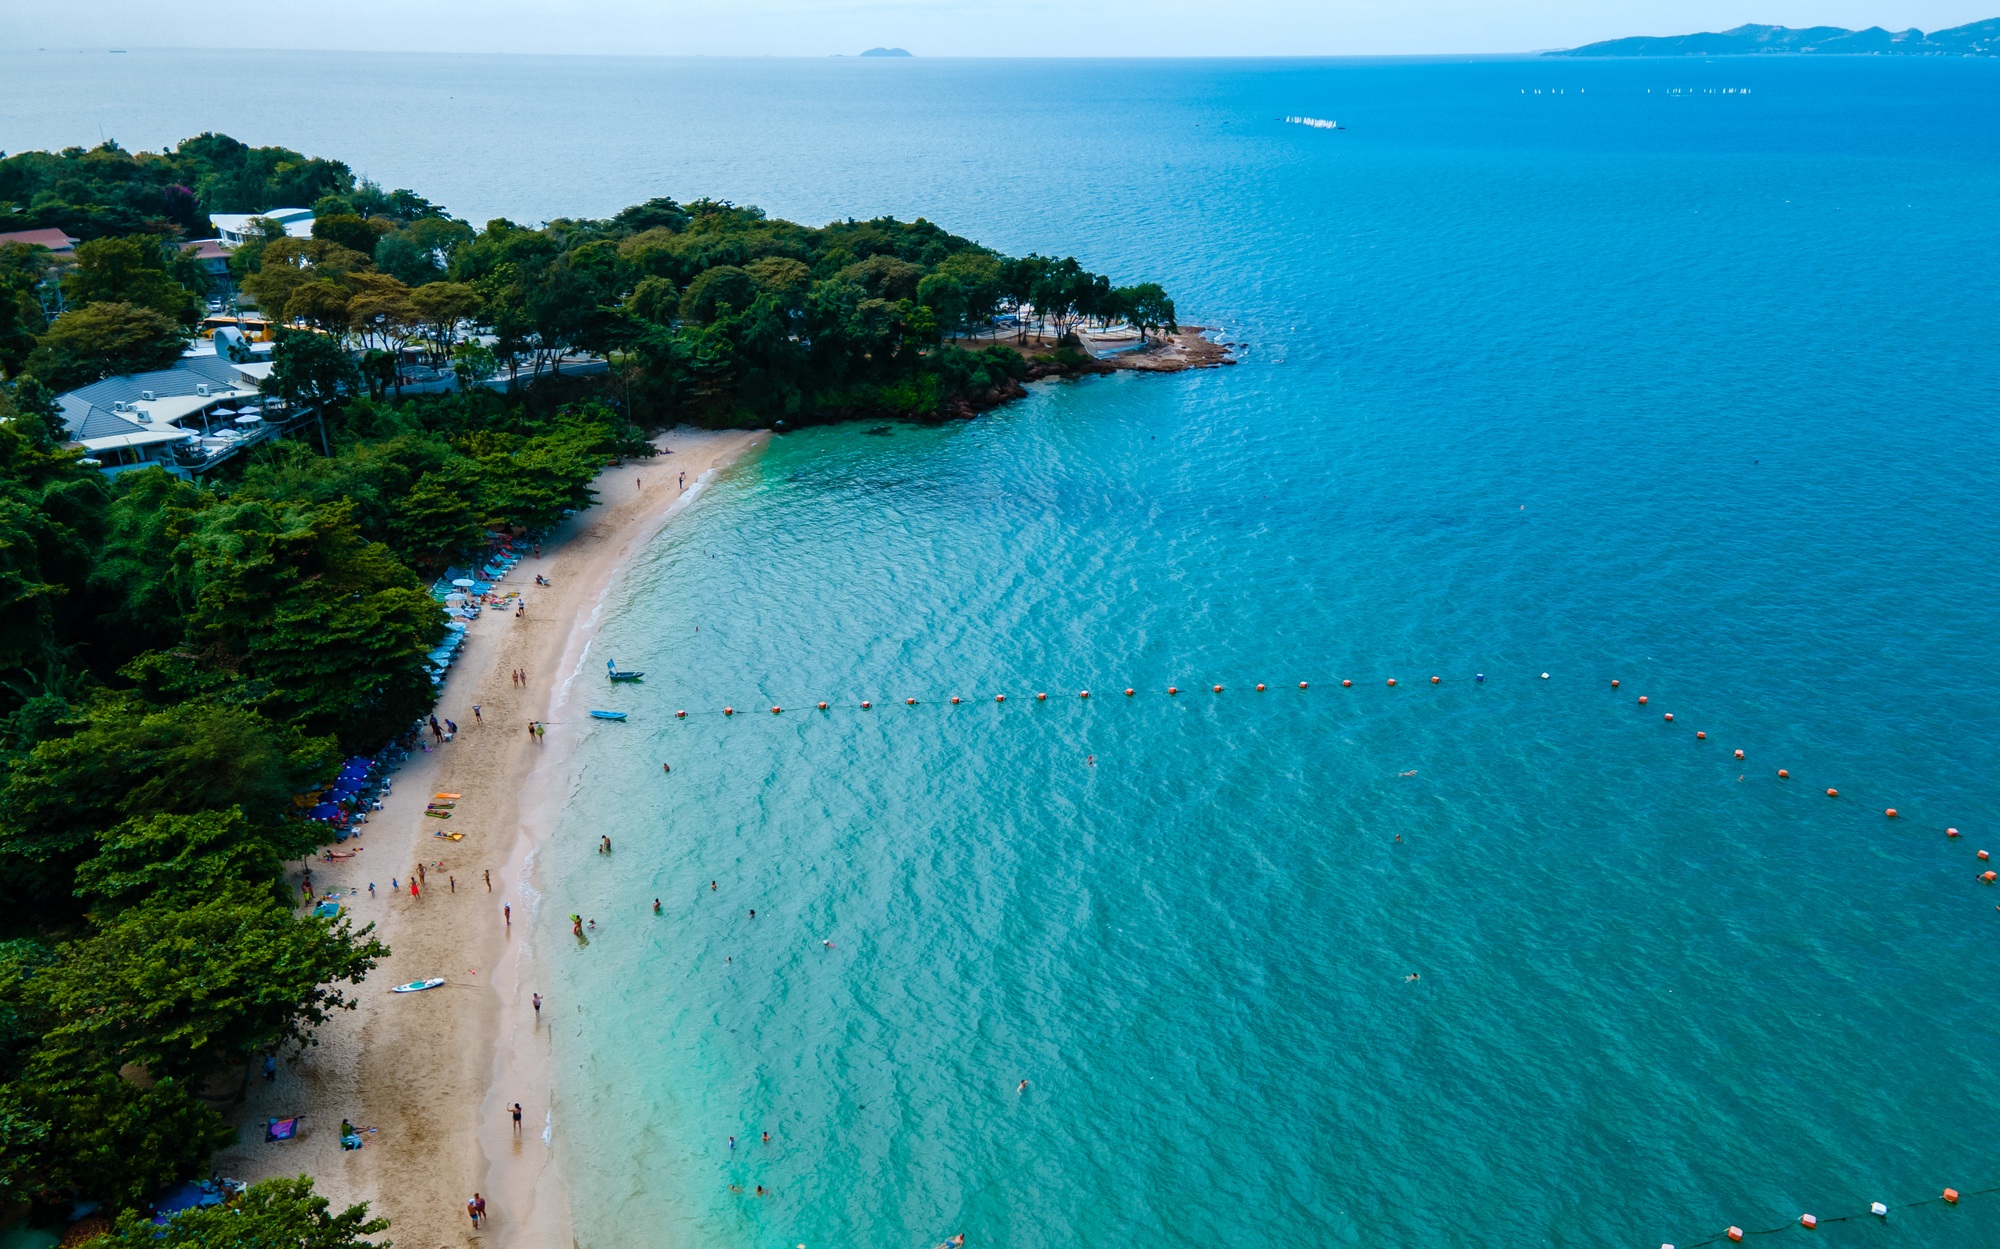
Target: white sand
435, 1072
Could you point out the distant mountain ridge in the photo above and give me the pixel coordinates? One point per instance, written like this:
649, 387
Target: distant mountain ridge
885, 52
1971, 39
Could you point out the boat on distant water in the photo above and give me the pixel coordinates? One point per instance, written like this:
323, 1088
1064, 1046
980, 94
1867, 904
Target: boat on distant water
1315, 123
607, 715
611, 670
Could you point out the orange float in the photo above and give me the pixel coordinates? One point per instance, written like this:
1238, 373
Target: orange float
822, 706
954, 700
680, 715
776, 710
729, 711
1392, 680
1172, 690
1642, 700
1260, 687
999, 698
1614, 684
1434, 680
1041, 698
1739, 754
1343, 685
1808, 1222
911, 702
1951, 1196
865, 706
1735, 1234
1982, 854
1083, 693
1891, 813
1784, 775
1951, 832
1302, 685
1833, 793
1701, 737
1128, 691
1670, 717
1218, 689
1987, 877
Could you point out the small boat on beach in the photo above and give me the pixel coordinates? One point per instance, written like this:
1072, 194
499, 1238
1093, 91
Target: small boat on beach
418, 986
607, 715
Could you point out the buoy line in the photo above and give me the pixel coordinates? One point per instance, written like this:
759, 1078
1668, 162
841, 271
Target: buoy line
1172, 694
1808, 1222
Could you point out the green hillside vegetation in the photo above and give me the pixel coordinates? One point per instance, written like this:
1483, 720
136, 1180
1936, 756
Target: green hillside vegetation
180, 661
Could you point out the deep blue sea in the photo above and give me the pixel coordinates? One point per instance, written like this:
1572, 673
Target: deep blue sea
1680, 373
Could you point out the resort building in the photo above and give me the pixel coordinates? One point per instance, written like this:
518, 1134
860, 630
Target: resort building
213, 255
185, 419
235, 228
55, 240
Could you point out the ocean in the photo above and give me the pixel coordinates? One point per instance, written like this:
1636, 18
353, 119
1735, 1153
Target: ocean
1677, 373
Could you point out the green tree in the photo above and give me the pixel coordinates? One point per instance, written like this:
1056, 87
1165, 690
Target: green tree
184, 987
309, 370
436, 521
352, 231
189, 856
105, 340
120, 759
98, 1134
273, 1214
131, 271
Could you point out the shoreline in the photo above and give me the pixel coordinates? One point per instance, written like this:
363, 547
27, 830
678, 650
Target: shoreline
429, 1076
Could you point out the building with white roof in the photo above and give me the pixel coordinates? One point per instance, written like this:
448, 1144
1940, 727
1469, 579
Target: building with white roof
236, 230
184, 419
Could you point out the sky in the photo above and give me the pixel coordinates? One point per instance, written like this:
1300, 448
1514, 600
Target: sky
929, 27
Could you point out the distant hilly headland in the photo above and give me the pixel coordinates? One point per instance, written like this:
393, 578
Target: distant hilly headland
1971, 39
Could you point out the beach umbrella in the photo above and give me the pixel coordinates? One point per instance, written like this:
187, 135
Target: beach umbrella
464, 583
249, 419
324, 811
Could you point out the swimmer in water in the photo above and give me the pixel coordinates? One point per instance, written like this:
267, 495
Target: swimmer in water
592, 925
767, 1138
1411, 772
711, 886
665, 768
1022, 1087
1411, 978
827, 944
753, 914
1092, 761
656, 906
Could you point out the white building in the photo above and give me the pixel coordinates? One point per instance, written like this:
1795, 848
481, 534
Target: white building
183, 419
235, 228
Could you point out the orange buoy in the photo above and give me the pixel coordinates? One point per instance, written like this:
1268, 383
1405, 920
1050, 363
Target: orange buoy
865, 706
680, 715
1982, 854
1642, 700
1833, 793
911, 702
729, 711
1172, 690
1808, 1222
1614, 683
1700, 736
1734, 1233
1041, 698
1784, 775
1218, 689
1987, 877
1951, 832
1670, 717
1891, 813
1434, 680
1260, 687
954, 700
999, 698
776, 710
1951, 1196
1343, 685
1128, 691
1302, 685
1083, 693
822, 706
1739, 754
1392, 680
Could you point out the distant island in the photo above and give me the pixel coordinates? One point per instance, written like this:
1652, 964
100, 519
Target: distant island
885, 52
1971, 39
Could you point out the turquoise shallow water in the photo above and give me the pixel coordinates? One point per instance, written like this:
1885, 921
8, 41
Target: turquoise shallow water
1692, 391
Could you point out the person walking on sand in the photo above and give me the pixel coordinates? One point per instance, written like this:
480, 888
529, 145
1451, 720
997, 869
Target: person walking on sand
538, 1005
472, 1209
475, 713
684, 481
517, 1118
507, 912
479, 1204
453, 882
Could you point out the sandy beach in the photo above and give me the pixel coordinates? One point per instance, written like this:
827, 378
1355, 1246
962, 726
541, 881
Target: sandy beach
430, 1077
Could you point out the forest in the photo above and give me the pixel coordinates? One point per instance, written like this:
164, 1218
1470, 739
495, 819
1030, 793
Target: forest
182, 660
